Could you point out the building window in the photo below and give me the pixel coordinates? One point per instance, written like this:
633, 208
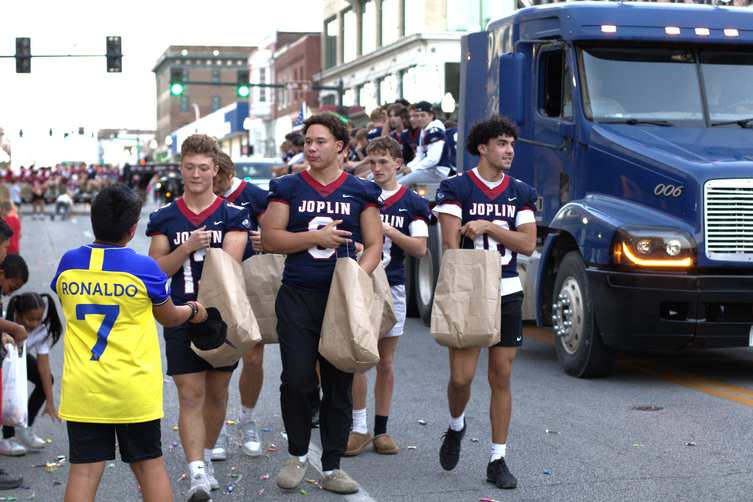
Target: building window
215, 76
349, 97
368, 26
414, 16
184, 104
328, 99
330, 43
410, 89
389, 22
349, 36
388, 89
262, 90
215, 103
367, 98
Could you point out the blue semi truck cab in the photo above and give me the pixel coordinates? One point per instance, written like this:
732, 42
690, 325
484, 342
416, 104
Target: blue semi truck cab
636, 129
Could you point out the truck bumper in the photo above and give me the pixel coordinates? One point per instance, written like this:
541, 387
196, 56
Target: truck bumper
638, 311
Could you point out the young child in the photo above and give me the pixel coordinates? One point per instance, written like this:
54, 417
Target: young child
112, 375
28, 310
14, 273
8, 213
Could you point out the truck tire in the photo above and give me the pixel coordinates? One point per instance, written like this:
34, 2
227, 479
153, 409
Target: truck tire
577, 340
426, 274
411, 307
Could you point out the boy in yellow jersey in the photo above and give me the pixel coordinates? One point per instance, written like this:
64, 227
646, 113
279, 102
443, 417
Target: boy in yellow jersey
112, 374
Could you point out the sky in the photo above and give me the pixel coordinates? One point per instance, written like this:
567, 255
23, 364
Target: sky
64, 94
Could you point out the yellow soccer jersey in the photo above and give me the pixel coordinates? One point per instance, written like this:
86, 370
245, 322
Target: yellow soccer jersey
113, 369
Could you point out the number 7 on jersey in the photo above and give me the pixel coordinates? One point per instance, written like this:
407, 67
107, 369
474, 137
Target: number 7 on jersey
111, 313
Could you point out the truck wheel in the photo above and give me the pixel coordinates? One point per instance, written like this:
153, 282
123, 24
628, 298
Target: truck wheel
426, 274
411, 308
580, 349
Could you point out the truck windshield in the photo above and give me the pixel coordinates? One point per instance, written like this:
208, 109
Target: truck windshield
641, 85
728, 78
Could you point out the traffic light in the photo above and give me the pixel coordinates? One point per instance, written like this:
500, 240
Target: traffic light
243, 79
23, 55
176, 81
114, 55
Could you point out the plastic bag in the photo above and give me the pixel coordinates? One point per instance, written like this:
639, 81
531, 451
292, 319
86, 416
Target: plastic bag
15, 408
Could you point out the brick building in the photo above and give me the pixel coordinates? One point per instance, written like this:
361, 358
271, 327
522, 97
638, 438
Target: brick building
210, 65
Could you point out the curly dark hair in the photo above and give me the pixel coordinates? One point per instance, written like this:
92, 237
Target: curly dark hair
14, 266
485, 130
332, 122
5, 231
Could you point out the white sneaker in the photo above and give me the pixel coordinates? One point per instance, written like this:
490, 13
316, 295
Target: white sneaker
209, 473
26, 436
200, 488
11, 448
249, 439
219, 452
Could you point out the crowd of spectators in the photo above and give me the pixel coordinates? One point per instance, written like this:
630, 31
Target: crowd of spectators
428, 144
61, 184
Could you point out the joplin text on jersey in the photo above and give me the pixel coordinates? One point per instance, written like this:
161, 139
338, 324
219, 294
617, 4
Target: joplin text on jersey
182, 237
393, 220
481, 209
92, 289
321, 206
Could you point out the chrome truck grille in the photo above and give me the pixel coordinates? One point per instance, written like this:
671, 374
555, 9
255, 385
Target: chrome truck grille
729, 220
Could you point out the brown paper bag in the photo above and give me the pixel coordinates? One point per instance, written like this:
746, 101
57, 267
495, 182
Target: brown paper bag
348, 341
222, 287
383, 316
467, 299
262, 274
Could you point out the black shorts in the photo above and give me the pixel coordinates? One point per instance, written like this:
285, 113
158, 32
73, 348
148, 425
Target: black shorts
35, 197
91, 443
512, 321
181, 359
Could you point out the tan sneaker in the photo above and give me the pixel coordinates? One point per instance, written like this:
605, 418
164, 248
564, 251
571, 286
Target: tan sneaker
385, 445
292, 473
339, 482
356, 443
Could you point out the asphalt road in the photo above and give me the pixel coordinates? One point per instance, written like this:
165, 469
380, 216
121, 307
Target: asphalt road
604, 448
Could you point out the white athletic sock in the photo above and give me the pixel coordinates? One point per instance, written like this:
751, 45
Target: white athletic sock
303, 459
498, 451
359, 421
207, 455
195, 467
247, 414
456, 424
327, 473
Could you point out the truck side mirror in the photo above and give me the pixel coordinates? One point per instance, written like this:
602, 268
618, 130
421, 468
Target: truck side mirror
512, 87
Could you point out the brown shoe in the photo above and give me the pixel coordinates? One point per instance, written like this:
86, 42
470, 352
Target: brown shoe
385, 445
356, 443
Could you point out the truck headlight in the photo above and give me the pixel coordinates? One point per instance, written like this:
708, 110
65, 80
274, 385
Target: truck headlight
644, 246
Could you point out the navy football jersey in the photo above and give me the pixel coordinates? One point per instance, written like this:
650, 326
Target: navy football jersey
253, 198
429, 136
373, 134
313, 206
399, 211
499, 205
452, 146
176, 222
409, 137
